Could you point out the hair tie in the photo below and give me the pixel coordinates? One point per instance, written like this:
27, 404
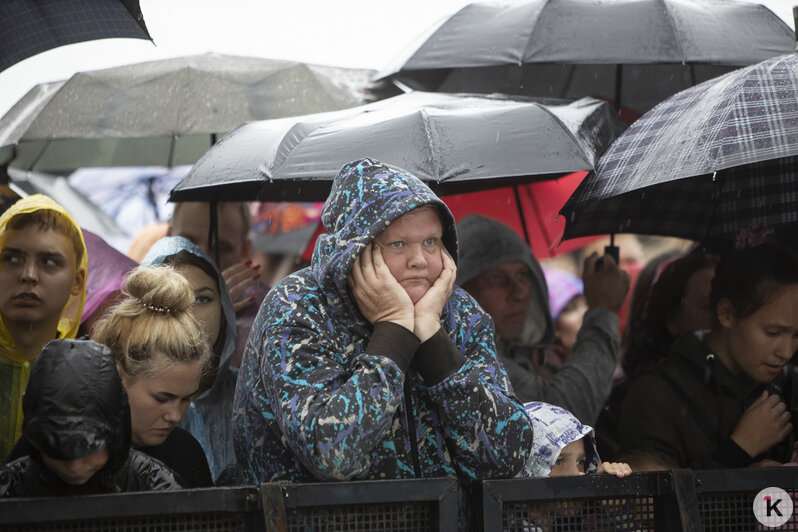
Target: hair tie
155, 308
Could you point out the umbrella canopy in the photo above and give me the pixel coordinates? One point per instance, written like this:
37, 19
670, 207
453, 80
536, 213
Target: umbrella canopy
34, 26
537, 220
159, 113
703, 164
456, 143
632, 52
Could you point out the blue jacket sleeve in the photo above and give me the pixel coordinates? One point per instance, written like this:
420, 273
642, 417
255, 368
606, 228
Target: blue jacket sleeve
332, 405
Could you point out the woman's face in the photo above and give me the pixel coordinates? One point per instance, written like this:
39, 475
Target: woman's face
207, 306
159, 401
762, 343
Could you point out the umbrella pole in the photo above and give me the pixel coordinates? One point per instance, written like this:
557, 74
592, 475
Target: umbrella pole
612, 250
213, 232
521, 215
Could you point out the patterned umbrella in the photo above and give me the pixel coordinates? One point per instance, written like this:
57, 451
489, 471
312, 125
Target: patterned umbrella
708, 161
31, 27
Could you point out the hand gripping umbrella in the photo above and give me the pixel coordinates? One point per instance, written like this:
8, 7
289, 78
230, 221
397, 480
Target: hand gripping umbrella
703, 164
632, 52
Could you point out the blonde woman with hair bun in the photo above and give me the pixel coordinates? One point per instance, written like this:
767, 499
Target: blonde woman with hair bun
161, 354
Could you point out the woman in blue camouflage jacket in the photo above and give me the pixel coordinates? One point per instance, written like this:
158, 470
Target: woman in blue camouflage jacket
370, 364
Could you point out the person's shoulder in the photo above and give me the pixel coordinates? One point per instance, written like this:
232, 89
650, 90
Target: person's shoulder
148, 473
463, 302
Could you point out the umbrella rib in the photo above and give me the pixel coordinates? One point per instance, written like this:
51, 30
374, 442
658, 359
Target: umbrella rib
532, 33
669, 18
428, 130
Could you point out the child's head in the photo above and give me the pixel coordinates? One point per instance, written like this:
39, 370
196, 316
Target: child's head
42, 266
646, 459
76, 417
569, 321
159, 347
561, 445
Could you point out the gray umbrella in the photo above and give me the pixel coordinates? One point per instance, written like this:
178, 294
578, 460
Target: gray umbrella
634, 52
159, 113
456, 143
703, 164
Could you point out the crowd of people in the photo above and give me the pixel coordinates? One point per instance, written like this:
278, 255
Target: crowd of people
411, 346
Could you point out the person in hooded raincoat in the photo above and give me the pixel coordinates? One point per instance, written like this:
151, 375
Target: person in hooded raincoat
329, 390
77, 430
563, 446
498, 268
209, 418
42, 293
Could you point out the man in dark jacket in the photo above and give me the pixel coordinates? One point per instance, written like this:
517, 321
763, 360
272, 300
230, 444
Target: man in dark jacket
497, 268
77, 429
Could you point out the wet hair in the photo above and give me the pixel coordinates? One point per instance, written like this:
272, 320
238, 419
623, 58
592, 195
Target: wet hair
47, 219
154, 325
667, 294
241, 207
646, 459
751, 277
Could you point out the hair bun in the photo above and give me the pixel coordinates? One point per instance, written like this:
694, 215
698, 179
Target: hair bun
160, 289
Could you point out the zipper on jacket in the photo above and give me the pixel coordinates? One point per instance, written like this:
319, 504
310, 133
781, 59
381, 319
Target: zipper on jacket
410, 419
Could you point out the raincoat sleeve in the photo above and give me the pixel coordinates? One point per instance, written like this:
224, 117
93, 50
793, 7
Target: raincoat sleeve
332, 406
487, 429
145, 473
583, 384
13, 475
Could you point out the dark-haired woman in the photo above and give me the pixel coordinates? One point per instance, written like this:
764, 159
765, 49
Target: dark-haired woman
723, 399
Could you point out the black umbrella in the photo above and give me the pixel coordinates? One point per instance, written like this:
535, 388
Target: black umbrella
705, 163
456, 143
632, 52
29, 27
159, 113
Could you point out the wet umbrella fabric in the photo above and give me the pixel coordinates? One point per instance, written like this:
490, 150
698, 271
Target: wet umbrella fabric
537, 220
455, 143
632, 52
703, 164
30, 27
158, 113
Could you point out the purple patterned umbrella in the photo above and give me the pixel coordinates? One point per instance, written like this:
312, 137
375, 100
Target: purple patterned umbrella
702, 164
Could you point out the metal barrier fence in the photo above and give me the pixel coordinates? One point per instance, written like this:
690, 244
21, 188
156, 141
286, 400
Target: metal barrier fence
679, 500
397, 505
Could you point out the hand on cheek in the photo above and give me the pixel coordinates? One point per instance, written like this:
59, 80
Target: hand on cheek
376, 292
427, 311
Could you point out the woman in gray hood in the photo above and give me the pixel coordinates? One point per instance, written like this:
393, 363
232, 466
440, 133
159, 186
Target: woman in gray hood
209, 418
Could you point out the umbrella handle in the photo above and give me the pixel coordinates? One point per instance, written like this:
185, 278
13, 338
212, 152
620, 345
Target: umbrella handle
612, 250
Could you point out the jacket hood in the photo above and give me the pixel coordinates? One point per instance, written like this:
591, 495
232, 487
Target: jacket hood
485, 243
366, 197
169, 246
70, 318
553, 429
76, 404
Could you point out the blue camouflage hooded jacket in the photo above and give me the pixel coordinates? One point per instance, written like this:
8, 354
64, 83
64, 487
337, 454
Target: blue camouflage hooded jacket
311, 404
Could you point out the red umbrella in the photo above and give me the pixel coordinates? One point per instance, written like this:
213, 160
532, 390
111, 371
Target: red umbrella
531, 210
